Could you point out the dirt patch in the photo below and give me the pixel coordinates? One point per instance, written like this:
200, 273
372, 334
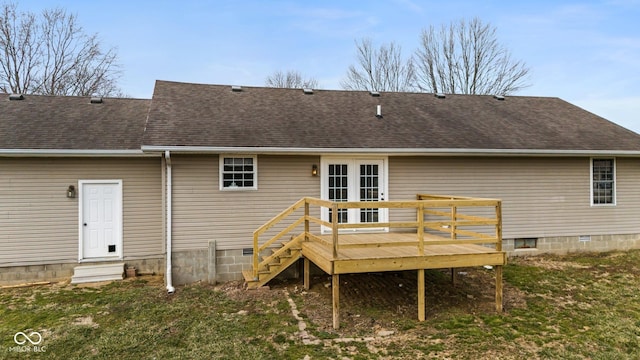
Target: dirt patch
549, 263
379, 303
85, 321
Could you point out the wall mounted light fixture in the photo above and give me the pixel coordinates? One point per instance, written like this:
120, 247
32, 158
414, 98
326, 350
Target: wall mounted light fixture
314, 170
71, 192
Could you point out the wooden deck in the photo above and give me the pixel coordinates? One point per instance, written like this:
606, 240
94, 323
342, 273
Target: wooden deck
379, 252
445, 232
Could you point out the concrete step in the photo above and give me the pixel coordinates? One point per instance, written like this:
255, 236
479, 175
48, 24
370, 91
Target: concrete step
97, 272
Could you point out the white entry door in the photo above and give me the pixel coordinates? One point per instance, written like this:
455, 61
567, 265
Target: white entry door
100, 219
354, 180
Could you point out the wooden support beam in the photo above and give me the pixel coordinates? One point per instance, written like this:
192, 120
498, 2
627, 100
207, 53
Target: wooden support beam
335, 289
421, 296
334, 229
306, 221
498, 288
306, 275
420, 229
499, 226
454, 278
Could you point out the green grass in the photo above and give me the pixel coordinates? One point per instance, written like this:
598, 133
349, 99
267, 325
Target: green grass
584, 306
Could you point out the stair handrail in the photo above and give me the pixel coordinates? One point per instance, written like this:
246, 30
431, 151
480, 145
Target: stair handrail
257, 248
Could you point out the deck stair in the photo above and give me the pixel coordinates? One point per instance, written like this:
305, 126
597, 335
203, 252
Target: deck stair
283, 246
274, 264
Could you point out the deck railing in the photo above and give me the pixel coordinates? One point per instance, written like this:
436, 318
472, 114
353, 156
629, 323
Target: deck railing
439, 220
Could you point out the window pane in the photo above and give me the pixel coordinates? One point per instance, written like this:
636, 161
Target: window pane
603, 181
525, 243
238, 172
338, 189
369, 191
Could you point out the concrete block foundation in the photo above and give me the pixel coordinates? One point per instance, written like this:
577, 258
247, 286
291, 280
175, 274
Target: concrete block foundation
14, 275
581, 243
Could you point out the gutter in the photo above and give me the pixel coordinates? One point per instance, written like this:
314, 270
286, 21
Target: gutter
168, 275
387, 151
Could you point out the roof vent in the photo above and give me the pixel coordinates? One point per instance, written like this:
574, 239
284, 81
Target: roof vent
96, 100
308, 91
236, 88
440, 95
498, 97
379, 111
374, 93
16, 97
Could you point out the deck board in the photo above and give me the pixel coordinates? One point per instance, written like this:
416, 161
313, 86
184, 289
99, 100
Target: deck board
366, 252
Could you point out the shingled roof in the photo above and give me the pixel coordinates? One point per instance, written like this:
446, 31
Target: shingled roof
214, 116
197, 117
63, 123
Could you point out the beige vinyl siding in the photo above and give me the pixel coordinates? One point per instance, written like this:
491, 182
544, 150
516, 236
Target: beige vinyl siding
542, 197
202, 212
39, 224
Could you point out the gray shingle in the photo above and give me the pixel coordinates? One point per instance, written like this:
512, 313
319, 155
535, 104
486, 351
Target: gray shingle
71, 123
197, 115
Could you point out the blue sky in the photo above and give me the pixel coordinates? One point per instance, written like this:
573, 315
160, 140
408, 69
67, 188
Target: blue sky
585, 52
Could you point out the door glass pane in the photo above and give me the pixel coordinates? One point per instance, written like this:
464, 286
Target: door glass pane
369, 191
338, 189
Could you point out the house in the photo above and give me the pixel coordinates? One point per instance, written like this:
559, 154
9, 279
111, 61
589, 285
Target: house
75, 187
213, 163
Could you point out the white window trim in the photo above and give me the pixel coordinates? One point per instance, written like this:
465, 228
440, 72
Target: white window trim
615, 181
221, 171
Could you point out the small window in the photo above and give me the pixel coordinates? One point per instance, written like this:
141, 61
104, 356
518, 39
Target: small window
603, 187
238, 173
525, 243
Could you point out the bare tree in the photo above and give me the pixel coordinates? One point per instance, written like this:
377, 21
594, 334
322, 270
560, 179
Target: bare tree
50, 54
466, 58
382, 69
290, 79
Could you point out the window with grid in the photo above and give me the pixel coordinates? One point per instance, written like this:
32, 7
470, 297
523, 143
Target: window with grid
339, 189
238, 173
369, 191
603, 186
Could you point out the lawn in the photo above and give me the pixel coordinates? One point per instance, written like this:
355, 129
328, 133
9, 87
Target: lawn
571, 307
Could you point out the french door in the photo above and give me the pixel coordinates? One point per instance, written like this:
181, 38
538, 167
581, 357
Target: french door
348, 179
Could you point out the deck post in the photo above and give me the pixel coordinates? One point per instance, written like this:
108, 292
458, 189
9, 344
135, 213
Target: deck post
498, 288
306, 220
421, 229
306, 276
499, 226
334, 229
499, 248
421, 296
454, 218
256, 253
335, 289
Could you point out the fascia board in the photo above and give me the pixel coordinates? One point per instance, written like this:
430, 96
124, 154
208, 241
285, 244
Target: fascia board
388, 151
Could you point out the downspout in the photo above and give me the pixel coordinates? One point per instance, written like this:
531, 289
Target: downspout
170, 288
